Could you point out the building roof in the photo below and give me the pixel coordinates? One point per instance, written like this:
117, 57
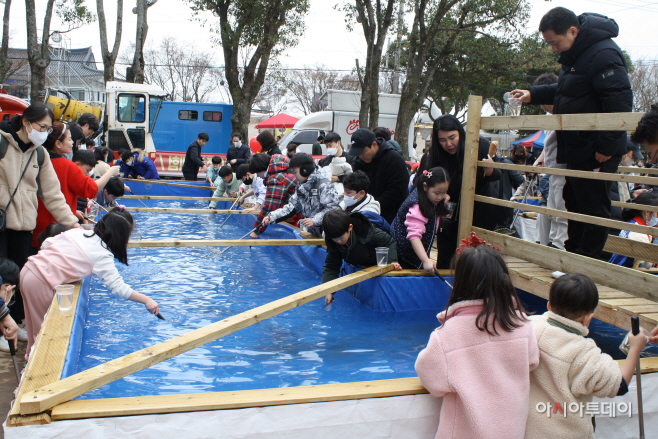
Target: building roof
64, 63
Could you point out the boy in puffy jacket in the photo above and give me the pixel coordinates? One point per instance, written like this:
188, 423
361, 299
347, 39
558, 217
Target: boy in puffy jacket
315, 195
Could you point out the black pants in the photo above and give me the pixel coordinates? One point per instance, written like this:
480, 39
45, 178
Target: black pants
588, 197
15, 245
190, 176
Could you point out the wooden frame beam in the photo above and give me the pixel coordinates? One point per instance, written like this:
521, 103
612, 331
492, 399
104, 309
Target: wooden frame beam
175, 198
226, 242
564, 122
175, 210
472, 145
571, 173
51, 395
144, 405
625, 279
627, 247
568, 215
634, 206
631, 170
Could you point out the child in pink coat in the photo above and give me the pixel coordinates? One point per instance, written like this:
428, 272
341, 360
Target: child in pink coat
480, 359
74, 255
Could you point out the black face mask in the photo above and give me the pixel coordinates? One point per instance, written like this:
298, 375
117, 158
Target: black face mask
248, 181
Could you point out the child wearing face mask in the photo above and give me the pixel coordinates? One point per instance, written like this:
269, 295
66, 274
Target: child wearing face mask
641, 217
417, 221
213, 171
356, 197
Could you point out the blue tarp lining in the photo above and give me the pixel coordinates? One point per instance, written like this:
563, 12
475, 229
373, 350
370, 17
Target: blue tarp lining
75, 341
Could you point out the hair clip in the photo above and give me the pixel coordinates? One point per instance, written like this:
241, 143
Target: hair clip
427, 174
122, 207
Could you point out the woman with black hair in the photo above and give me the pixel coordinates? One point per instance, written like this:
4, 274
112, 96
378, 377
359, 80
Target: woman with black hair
641, 217
27, 179
447, 151
72, 256
268, 143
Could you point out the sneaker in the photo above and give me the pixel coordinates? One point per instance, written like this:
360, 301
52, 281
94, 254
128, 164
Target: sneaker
4, 345
22, 334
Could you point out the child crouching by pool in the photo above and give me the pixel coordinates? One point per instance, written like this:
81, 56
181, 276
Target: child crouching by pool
480, 359
572, 369
72, 256
353, 239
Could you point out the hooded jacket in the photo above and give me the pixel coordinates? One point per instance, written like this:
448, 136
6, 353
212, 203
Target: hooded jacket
313, 198
572, 369
279, 187
142, 165
193, 159
388, 178
366, 203
22, 212
593, 79
365, 237
479, 375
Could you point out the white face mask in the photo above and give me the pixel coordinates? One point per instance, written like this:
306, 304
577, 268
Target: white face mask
237, 144
350, 201
653, 222
37, 137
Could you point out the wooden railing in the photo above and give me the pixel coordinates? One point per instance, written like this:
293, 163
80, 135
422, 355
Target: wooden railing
632, 281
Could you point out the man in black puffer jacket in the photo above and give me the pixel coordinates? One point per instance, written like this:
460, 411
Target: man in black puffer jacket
593, 79
384, 167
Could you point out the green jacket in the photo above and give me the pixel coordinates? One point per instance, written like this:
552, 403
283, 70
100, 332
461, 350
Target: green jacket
361, 250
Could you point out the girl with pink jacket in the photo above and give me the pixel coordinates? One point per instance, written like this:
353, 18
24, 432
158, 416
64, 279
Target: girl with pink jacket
480, 359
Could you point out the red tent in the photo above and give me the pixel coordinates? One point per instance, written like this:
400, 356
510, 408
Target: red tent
280, 121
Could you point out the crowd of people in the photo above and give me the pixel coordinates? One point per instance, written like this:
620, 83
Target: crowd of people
487, 353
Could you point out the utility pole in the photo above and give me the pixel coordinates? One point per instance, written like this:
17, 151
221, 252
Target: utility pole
398, 51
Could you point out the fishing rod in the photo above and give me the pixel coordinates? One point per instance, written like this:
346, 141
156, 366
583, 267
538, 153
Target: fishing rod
143, 204
248, 233
442, 278
227, 215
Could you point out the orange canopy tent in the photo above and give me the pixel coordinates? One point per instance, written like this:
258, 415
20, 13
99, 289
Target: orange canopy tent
280, 121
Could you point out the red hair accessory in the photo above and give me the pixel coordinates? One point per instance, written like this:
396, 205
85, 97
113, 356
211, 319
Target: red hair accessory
427, 174
473, 241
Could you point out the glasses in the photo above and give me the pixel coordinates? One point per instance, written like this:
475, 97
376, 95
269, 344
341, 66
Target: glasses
42, 128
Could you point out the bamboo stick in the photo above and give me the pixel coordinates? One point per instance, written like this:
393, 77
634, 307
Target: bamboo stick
564, 122
49, 396
569, 215
176, 210
225, 242
175, 198
469, 175
571, 173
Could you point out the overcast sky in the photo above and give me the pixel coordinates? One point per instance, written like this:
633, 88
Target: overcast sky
326, 41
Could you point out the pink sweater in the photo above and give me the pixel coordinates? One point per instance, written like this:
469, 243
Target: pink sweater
416, 222
484, 380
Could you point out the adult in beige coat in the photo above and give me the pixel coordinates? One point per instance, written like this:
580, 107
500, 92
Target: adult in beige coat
24, 135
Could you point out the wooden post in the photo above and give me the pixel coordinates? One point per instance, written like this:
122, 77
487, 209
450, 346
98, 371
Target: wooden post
472, 146
225, 242
49, 396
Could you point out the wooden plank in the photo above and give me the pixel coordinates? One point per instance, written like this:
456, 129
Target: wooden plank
175, 198
603, 295
634, 310
173, 210
634, 206
625, 279
101, 408
650, 318
47, 358
472, 145
226, 242
631, 170
565, 122
615, 303
569, 215
49, 396
647, 364
571, 173
627, 247
163, 182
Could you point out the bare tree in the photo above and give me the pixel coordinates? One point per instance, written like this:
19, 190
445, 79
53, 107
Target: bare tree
73, 13
109, 58
644, 82
307, 85
375, 21
135, 73
262, 28
5, 62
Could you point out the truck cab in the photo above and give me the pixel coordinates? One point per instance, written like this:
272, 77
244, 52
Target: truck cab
130, 115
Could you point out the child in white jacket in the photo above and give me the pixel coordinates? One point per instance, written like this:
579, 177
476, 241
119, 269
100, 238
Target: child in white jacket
572, 369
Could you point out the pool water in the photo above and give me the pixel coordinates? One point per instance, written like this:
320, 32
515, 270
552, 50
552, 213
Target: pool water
194, 287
